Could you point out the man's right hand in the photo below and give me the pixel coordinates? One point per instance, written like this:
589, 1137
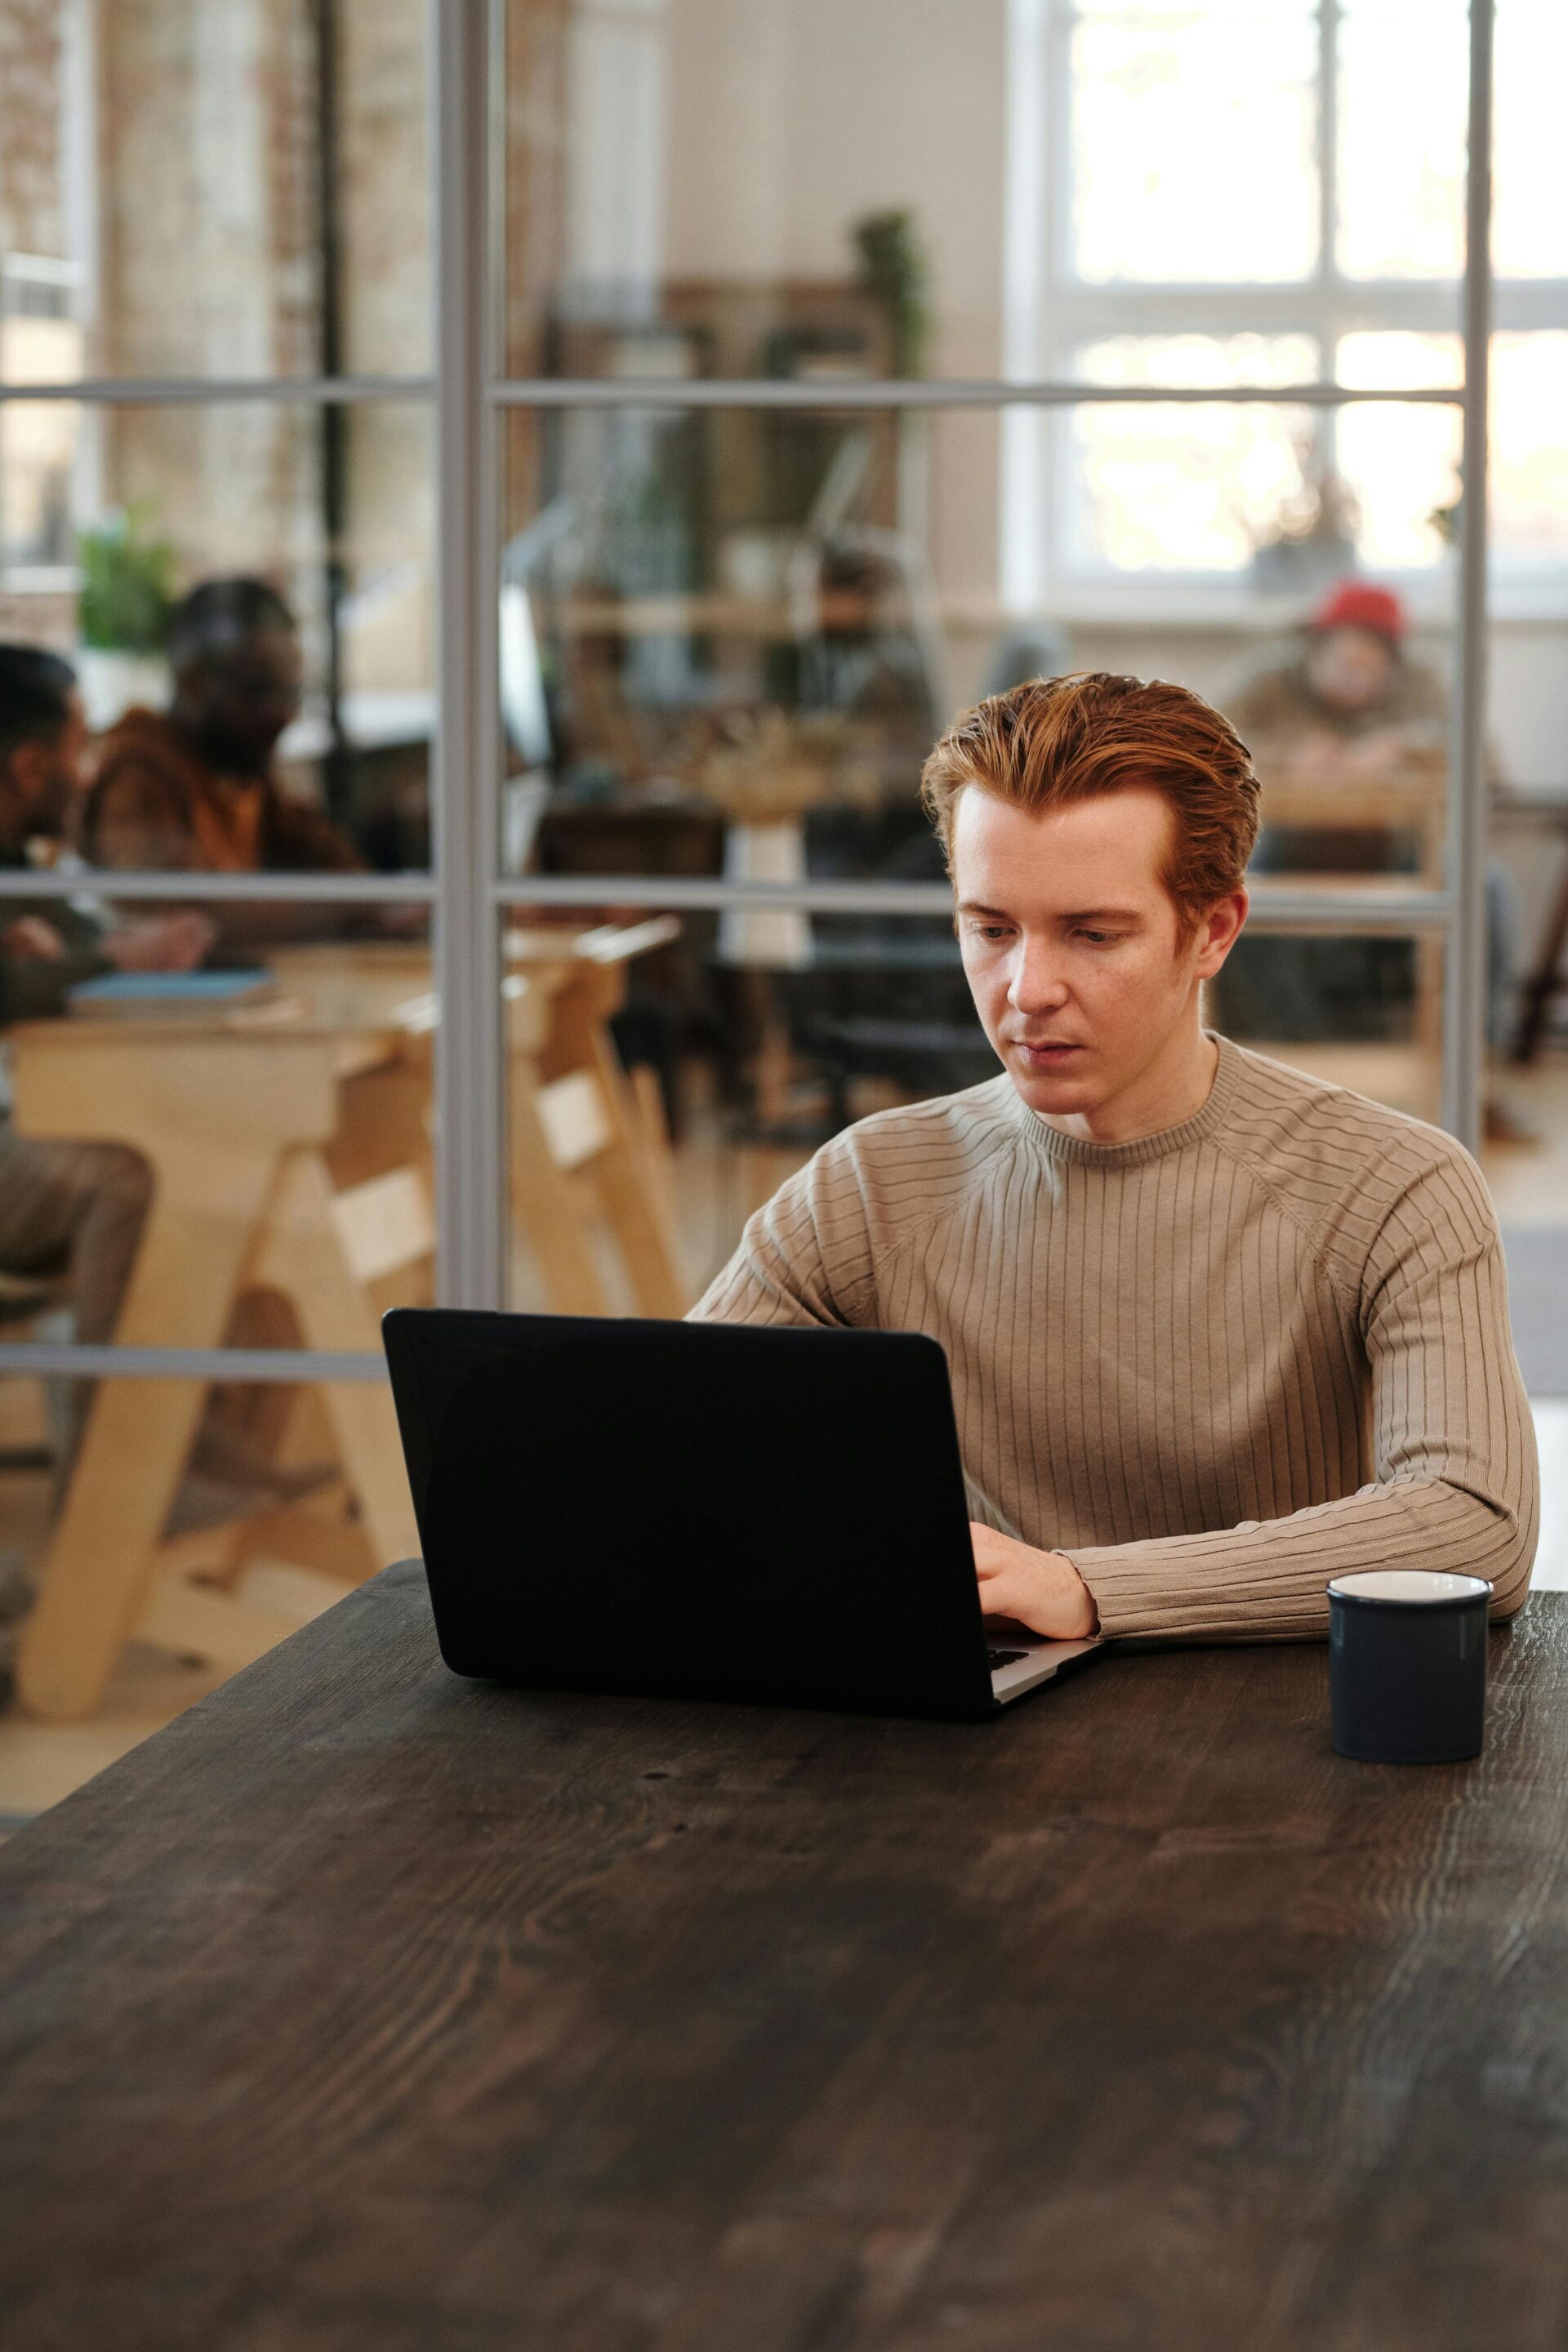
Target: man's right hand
174, 943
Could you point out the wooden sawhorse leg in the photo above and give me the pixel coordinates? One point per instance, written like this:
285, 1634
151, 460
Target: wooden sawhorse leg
301, 1253
101, 1556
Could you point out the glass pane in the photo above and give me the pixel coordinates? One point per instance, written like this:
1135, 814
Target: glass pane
1188, 489
1402, 160
1175, 108
721, 622
667, 1072
1530, 189
1528, 453
1527, 1164
1278, 498
1360, 1012
210, 1140
1402, 464
111, 518
733, 187
699, 676
214, 190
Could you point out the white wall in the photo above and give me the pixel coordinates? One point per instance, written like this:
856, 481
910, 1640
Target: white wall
787, 120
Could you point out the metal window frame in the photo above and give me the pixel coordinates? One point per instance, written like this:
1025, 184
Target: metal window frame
468, 895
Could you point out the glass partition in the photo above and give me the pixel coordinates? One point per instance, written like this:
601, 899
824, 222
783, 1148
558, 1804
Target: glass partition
732, 188
109, 516
218, 1139
214, 190
216, 513
728, 639
729, 619
666, 1070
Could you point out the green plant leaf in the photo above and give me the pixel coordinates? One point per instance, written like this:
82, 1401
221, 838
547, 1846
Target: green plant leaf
127, 590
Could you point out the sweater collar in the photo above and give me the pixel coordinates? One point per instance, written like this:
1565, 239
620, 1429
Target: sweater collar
1073, 1151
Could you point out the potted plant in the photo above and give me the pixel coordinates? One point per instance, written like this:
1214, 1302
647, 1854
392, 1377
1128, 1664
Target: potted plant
124, 598
1309, 540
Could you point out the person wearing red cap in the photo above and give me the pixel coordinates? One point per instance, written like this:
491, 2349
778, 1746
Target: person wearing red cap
1350, 702
1351, 708
1362, 604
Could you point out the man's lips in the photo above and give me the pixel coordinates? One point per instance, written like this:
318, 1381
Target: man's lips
1046, 1052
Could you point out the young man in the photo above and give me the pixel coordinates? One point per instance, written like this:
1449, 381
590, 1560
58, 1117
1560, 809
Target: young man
1217, 1331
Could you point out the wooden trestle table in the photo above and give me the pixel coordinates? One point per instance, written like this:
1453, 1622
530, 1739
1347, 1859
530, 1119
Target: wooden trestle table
290, 1147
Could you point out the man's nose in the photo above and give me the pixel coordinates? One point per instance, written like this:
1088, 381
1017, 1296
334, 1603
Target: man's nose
1037, 984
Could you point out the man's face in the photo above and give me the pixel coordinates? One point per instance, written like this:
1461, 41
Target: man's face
1072, 944
240, 698
1349, 669
43, 778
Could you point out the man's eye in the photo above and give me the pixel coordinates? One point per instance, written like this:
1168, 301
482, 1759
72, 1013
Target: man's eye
1101, 938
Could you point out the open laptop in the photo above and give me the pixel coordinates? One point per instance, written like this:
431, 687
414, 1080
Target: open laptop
701, 1510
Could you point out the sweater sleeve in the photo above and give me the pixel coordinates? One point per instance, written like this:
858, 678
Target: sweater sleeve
805, 1257
1454, 1483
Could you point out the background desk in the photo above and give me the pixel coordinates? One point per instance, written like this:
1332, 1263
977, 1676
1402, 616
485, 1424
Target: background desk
291, 1151
366, 2008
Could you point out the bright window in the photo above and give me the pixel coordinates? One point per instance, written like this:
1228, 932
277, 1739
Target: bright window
1158, 489
1161, 87
1400, 202
1236, 193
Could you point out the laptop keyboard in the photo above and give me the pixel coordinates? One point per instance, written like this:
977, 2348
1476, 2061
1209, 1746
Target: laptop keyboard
995, 1658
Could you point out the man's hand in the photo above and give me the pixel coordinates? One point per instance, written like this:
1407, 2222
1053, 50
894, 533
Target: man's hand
168, 943
30, 940
1041, 1589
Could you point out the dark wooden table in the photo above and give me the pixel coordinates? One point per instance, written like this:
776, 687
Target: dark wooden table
366, 2011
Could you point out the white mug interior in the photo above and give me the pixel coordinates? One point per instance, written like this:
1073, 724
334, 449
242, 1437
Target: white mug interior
1416, 1587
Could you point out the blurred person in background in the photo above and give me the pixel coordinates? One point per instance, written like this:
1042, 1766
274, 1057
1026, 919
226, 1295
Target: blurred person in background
73, 1214
195, 789
1350, 708
70, 1208
1350, 702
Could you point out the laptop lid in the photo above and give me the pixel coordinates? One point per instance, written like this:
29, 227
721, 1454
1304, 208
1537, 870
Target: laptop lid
692, 1509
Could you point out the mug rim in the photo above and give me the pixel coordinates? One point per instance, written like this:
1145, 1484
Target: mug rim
1478, 1587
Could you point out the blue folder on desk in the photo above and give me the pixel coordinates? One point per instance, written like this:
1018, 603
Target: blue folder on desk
176, 991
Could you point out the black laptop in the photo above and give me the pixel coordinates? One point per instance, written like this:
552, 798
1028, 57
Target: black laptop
701, 1510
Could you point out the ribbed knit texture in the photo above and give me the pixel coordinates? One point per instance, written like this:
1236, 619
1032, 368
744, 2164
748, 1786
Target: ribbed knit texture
1215, 1366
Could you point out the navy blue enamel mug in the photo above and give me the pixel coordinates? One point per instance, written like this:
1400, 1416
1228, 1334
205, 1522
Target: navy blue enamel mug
1407, 1666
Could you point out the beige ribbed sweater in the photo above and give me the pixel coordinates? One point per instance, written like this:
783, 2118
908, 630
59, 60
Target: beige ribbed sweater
1215, 1367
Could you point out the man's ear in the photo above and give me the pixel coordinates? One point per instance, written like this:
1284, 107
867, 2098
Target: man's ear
1218, 931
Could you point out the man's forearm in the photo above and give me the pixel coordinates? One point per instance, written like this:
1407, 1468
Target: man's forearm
1266, 1579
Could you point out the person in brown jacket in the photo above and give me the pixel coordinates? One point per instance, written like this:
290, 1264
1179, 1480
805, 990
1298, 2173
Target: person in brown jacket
195, 789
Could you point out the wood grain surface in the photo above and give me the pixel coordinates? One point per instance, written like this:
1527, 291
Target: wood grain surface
364, 2008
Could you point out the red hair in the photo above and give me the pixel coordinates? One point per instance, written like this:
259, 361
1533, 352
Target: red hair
1054, 740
